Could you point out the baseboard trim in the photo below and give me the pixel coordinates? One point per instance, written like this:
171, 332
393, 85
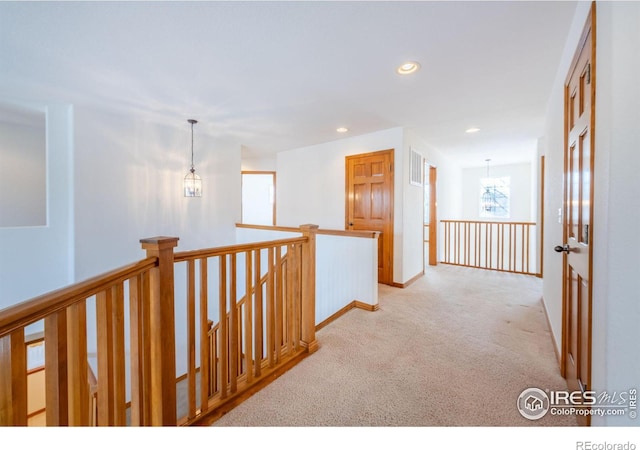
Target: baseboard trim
342, 311
408, 283
556, 349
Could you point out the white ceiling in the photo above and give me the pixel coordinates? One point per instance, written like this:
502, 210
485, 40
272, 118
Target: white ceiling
273, 76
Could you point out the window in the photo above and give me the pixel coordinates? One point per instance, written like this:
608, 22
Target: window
495, 197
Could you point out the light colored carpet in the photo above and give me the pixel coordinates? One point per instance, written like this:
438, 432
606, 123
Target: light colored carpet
456, 348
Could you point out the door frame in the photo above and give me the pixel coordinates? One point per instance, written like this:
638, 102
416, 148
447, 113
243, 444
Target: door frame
389, 223
589, 27
430, 178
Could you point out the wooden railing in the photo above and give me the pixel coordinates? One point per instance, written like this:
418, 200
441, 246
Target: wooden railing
266, 297
84, 324
501, 246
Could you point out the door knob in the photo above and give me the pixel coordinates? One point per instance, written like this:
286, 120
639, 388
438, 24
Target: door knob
350, 224
562, 248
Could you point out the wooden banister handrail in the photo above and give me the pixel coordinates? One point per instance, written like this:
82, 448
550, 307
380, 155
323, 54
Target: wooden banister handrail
346, 233
238, 248
268, 227
22, 314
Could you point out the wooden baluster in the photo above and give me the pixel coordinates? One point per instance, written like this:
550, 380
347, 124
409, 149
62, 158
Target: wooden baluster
162, 331
525, 248
297, 296
258, 314
308, 307
456, 243
140, 356
513, 228
56, 375
215, 361
510, 258
223, 336
119, 381
293, 298
236, 359
205, 357
279, 310
104, 327
500, 251
191, 338
467, 243
13, 379
478, 250
489, 243
79, 396
248, 318
270, 308
288, 301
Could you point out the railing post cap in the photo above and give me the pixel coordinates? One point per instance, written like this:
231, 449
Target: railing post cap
159, 242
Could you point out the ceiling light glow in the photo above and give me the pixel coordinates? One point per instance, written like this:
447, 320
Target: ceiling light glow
408, 67
342, 130
472, 130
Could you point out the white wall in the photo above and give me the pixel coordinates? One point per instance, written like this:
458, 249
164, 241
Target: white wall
310, 186
310, 180
616, 334
265, 164
520, 189
128, 177
128, 185
310, 189
35, 260
448, 184
23, 173
616, 310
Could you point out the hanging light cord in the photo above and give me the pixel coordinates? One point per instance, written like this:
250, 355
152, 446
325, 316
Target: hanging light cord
192, 121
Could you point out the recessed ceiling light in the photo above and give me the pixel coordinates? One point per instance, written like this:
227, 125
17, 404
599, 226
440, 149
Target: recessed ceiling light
472, 130
408, 67
342, 130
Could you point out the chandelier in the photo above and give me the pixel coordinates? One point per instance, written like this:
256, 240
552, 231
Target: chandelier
192, 182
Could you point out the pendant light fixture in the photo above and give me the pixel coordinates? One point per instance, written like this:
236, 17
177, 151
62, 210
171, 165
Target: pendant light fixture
489, 201
192, 182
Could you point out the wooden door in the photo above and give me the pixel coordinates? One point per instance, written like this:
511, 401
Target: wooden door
578, 215
369, 203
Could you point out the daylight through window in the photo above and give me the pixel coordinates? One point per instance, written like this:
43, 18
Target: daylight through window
494, 197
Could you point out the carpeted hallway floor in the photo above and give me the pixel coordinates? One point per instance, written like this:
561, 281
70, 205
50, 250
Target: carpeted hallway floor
456, 348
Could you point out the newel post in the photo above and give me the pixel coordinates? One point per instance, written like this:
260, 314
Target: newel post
162, 330
309, 288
